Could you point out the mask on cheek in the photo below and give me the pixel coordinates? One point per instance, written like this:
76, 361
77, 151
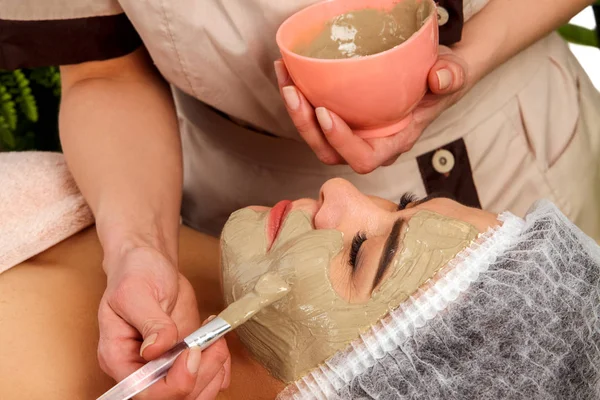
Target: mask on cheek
313, 322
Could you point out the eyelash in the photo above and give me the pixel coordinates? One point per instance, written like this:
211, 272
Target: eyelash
360, 237
406, 199
357, 241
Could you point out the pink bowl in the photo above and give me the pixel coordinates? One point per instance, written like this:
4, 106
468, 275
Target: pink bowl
373, 94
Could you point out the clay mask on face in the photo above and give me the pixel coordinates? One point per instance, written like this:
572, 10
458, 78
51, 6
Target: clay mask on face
369, 31
312, 322
269, 288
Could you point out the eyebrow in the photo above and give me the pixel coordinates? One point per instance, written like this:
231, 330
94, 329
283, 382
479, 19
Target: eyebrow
389, 251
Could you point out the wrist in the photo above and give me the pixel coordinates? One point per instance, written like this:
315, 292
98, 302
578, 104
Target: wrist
480, 56
120, 238
477, 65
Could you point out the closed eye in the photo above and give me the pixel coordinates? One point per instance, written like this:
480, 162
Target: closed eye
357, 242
406, 199
411, 199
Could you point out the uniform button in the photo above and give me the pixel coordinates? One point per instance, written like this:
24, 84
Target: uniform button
443, 16
443, 161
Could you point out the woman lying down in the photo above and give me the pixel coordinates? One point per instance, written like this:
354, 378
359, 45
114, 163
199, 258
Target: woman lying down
421, 299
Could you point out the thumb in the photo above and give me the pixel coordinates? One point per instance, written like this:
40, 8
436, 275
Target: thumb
144, 312
448, 75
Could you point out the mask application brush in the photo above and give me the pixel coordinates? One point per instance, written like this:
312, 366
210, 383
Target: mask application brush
269, 289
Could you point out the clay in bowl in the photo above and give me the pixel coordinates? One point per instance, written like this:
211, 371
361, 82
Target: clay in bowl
365, 60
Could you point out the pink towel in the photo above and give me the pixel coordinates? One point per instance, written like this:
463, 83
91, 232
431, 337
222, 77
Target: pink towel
40, 205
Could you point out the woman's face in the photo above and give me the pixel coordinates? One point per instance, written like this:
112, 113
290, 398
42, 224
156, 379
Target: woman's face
349, 258
366, 223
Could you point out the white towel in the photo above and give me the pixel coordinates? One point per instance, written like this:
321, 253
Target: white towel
40, 205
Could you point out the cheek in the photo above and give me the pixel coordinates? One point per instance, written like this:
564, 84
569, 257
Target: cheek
354, 288
340, 276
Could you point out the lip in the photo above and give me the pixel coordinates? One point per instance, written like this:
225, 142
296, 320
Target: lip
275, 221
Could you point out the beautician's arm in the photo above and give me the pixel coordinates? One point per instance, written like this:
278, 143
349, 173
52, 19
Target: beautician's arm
119, 134
505, 27
501, 30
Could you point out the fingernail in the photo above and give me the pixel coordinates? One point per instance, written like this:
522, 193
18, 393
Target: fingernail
207, 320
444, 78
193, 360
324, 118
291, 97
281, 72
147, 342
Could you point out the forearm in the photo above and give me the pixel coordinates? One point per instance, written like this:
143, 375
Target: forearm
505, 27
121, 142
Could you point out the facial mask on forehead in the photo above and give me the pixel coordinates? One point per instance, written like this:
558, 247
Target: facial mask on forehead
313, 322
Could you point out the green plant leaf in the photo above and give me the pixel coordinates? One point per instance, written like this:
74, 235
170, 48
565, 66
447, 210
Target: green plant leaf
8, 109
29, 101
25, 98
579, 35
48, 77
7, 138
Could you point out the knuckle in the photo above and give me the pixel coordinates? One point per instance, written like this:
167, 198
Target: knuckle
305, 128
105, 357
363, 167
328, 159
150, 324
407, 147
103, 311
102, 359
391, 161
182, 391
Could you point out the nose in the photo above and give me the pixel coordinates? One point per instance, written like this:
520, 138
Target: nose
339, 203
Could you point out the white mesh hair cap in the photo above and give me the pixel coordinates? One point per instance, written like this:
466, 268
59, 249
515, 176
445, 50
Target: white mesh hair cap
514, 316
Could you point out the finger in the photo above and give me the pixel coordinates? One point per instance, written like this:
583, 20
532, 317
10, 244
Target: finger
391, 161
211, 391
119, 358
185, 312
390, 148
118, 345
180, 380
282, 74
137, 306
226, 368
448, 74
428, 111
215, 359
303, 117
215, 368
227, 373
192, 373
355, 150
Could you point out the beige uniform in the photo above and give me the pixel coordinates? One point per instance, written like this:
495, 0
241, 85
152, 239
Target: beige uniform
526, 131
